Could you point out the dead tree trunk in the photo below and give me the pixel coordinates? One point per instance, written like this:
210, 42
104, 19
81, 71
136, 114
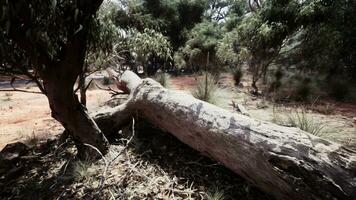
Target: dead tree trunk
285, 162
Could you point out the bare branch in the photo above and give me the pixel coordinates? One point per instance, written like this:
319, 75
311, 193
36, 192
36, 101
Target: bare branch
14, 89
19, 90
111, 91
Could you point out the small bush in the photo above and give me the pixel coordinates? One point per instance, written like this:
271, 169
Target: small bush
81, 170
238, 74
164, 79
216, 195
305, 122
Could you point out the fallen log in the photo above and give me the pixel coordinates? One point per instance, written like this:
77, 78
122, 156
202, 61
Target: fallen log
283, 161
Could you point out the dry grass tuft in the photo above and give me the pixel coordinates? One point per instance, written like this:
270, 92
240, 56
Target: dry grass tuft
217, 194
301, 119
164, 79
207, 89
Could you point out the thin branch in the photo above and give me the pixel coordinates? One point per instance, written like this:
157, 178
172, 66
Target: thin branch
86, 88
35, 79
14, 89
112, 92
19, 90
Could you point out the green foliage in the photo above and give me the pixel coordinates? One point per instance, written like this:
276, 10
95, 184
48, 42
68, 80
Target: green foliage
108, 45
35, 33
180, 60
170, 17
149, 43
303, 37
202, 40
226, 50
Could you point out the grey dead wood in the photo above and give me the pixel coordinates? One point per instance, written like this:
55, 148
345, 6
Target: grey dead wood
285, 162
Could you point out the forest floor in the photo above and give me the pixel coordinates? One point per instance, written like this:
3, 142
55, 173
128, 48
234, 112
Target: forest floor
148, 165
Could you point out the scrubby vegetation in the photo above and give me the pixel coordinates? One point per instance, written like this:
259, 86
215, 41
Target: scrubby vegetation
289, 62
300, 53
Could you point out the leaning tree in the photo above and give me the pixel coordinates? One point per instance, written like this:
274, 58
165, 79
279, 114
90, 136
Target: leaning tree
47, 42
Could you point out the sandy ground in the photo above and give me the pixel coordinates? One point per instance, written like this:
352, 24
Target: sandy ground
25, 115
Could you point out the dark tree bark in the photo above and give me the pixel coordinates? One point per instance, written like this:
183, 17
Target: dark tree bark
82, 88
60, 71
58, 83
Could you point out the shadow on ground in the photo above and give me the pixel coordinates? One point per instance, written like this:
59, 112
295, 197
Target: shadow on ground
46, 172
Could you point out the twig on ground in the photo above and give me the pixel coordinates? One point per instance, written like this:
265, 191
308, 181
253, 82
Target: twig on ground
127, 143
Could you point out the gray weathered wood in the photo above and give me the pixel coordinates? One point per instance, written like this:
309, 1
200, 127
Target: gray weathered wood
285, 162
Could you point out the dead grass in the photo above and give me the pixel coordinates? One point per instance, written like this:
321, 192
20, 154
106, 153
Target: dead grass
161, 167
216, 194
164, 79
207, 89
301, 119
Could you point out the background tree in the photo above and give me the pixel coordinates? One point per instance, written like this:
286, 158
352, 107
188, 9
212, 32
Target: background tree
201, 43
149, 46
47, 41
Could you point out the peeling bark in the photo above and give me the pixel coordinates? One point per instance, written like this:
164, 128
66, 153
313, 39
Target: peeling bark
285, 162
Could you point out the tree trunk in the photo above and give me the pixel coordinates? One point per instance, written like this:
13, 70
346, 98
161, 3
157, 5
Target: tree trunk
74, 117
285, 162
82, 89
58, 81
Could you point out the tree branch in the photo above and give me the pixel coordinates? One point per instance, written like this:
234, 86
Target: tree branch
111, 91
